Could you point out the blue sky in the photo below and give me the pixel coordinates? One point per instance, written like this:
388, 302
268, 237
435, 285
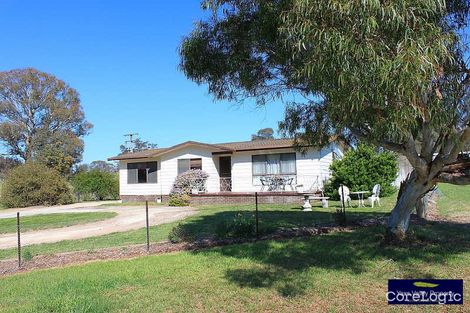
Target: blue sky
121, 56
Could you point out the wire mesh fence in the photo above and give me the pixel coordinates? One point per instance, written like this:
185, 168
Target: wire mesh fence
23, 237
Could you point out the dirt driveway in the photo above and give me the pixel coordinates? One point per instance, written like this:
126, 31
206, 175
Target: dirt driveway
128, 218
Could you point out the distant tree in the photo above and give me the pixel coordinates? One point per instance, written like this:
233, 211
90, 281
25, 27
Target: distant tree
7, 164
103, 166
59, 157
41, 118
138, 145
264, 133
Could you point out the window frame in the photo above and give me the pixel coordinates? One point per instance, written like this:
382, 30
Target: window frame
266, 162
190, 162
136, 168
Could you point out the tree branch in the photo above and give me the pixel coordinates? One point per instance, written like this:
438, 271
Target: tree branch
454, 179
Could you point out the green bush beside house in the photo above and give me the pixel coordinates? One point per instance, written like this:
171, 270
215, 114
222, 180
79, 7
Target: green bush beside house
96, 185
361, 168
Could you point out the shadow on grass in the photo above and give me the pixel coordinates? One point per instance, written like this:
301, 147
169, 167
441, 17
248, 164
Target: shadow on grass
283, 264
205, 226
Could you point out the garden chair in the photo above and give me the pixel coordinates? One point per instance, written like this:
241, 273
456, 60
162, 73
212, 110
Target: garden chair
264, 183
375, 196
347, 197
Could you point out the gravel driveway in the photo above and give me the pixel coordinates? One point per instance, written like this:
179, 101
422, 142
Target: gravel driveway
128, 218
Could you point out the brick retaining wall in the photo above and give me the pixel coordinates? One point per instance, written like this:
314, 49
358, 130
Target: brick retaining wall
229, 198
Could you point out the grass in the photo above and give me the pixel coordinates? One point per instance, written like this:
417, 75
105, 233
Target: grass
203, 225
455, 201
339, 272
44, 221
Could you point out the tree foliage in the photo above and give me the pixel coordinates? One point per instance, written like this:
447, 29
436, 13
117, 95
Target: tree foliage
41, 118
391, 73
138, 145
7, 164
34, 184
100, 165
96, 184
361, 169
262, 134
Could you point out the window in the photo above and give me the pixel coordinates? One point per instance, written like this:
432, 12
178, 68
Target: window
142, 173
273, 164
189, 164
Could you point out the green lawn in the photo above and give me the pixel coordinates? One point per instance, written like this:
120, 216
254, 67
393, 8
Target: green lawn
339, 272
455, 202
43, 221
203, 224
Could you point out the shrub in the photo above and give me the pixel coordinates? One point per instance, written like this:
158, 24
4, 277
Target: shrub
241, 226
96, 185
27, 255
189, 180
179, 199
184, 184
361, 169
179, 234
34, 184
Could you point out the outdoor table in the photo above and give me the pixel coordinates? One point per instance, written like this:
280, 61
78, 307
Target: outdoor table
277, 183
360, 197
311, 196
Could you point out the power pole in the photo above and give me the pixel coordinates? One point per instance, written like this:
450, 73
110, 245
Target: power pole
130, 141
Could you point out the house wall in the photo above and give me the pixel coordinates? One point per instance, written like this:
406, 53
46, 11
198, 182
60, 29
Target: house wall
167, 172
312, 168
138, 189
312, 171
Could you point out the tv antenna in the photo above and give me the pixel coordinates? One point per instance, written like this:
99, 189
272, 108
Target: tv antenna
129, 143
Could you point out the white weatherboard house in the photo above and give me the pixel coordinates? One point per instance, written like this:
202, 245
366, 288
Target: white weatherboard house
271, 165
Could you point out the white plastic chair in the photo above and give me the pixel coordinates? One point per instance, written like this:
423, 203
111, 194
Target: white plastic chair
347, 197
375, 196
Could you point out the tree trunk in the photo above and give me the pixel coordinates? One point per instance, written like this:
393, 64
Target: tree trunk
427, 203
422, 206
411, 190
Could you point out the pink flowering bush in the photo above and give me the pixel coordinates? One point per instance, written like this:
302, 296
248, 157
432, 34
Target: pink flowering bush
184, 184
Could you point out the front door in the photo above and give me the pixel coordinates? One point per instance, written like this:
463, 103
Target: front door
225, 171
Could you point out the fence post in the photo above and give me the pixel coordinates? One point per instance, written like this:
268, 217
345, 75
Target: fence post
257, 217
19, 239
147, 224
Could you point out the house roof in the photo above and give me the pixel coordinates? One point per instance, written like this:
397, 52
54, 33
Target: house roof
219, 148
259, 144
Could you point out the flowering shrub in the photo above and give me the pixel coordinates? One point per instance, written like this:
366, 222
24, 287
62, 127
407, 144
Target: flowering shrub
184, 184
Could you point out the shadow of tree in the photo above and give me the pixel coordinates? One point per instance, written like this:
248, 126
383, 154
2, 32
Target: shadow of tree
281, 262
205, 226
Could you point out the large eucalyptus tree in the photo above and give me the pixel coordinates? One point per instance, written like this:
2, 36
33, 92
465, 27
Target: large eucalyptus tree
41, 119
392, 73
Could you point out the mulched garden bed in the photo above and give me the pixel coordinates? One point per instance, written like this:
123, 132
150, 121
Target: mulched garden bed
9, 267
